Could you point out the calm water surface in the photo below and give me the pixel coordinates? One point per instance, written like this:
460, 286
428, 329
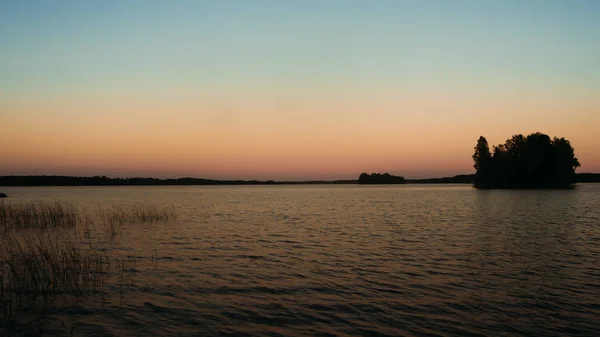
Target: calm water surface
350, 260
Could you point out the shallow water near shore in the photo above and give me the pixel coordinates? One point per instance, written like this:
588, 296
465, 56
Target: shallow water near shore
336, 260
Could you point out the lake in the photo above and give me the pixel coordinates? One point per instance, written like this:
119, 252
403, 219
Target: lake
350, 260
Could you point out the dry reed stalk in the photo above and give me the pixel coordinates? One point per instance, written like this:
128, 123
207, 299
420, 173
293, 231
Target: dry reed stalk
42, 215
140, 213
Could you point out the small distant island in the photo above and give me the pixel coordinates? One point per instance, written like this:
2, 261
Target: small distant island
535, 161
377, 178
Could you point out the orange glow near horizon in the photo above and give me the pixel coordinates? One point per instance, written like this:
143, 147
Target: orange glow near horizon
262, 137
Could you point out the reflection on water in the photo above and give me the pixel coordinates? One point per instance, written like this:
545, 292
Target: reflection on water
349, 260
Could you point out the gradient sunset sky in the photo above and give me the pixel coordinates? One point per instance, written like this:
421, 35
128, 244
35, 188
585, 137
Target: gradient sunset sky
307, 89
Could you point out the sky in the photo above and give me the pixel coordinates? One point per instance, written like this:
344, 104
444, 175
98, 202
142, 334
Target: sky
290, 90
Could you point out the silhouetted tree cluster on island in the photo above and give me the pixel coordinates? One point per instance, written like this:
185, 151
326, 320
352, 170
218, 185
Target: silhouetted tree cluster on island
534, 161
377, 178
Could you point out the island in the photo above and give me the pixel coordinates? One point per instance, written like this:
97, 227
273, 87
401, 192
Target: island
377, 178
535, 161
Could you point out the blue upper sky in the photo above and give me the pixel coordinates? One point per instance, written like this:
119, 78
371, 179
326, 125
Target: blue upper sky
83, 44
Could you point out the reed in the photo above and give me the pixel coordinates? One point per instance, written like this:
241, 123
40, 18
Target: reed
58, 214
42, 215
41, 264
45, 263
139, 213
36, 269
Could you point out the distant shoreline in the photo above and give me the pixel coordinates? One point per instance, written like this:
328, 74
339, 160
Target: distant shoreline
17, 181
106, 181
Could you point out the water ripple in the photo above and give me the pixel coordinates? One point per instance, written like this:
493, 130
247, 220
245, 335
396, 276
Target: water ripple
354, 261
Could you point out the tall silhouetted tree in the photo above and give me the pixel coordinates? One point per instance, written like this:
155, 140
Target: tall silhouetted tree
535, 161
483, 161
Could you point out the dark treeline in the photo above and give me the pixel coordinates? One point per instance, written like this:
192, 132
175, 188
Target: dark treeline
106, 181
588, 177
377, 178
534, 161
458, 179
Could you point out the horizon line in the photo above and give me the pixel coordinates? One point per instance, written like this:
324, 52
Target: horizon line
210, 179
